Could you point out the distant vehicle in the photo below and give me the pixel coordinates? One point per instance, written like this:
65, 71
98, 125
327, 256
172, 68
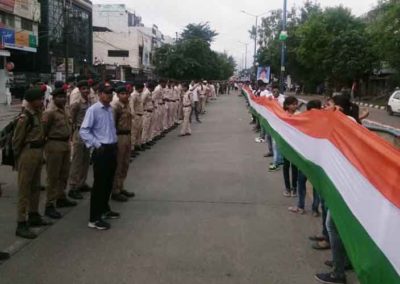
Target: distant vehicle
394, 103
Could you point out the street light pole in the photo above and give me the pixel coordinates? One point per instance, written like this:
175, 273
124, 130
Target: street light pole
283, 49
255, 38
245, 56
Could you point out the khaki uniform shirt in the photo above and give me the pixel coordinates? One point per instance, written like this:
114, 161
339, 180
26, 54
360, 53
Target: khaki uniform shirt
29, 129
57, 129
136, 103
187, 99
158, 94
122, 117
147, 100
78, 111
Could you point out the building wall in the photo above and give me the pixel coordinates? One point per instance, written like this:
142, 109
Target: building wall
114, 17
105, 41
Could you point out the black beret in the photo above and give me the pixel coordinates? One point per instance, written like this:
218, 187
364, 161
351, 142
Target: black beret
83, 83
58, 84
59, 92
103, 88
33, 94
121, 89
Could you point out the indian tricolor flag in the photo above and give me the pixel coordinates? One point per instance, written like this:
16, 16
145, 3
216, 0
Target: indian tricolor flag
355, 171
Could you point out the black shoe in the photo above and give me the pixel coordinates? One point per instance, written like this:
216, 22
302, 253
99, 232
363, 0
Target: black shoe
146, 147
99, 225
35, 220
346, 267
151, 143
111, 215
127, 193
23, 231
139, 148
4, 256
330, 278
75, 194
119, 197
268, 155
198, 120
85, 188
64, 202
52, 213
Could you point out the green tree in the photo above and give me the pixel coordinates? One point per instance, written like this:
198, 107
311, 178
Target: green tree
192, 58
384, 28
201, 31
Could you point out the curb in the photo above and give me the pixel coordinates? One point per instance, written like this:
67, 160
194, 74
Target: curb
371, 105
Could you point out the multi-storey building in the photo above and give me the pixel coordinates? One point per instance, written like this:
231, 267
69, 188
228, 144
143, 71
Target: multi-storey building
19, 21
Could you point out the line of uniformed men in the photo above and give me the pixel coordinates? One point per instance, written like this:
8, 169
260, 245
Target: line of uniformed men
142, 116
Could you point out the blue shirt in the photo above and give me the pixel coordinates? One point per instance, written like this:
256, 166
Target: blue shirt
98, 126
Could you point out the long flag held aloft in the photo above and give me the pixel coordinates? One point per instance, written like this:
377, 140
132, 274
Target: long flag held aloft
355, 171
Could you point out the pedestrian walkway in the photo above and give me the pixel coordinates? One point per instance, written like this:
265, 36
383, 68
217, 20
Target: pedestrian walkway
206, 211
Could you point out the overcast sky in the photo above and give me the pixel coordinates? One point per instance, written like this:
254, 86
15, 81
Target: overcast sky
224, 16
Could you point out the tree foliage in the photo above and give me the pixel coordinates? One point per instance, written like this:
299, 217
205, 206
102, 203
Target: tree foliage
192, 58
201, 31
324, 45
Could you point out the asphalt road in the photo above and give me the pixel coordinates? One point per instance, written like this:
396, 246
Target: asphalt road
206, 211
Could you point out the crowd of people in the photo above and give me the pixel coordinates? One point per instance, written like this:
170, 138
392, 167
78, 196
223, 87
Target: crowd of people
85, 121
295, 181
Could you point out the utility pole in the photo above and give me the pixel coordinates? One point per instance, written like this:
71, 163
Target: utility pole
245, 54
65, 35
283, 37
255, 39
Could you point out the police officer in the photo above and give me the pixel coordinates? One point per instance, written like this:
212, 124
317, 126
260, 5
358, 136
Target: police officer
80, 153
148, 107
57, 132
123, 123
187, 110
136, 103
28, 143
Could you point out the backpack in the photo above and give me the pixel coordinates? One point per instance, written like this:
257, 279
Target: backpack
6, 135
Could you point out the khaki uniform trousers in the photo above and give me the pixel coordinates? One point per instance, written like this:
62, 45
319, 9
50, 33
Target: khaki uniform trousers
203, 101
155, 123
80, 162
137, 127
186, 121
165, 117
29, 172
57, 166
123, 160
171, 116
147, 127
176, 112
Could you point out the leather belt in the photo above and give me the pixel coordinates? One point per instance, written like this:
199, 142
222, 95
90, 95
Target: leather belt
36, 144
139, 114
62, 139
123, 132
187, 106
148, 110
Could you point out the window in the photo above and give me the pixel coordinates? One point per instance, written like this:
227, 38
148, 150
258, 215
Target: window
26, 25
7, 19
397, 96
118, 53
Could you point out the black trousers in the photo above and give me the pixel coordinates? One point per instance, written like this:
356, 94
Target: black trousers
104, 166
195, 110
286, 176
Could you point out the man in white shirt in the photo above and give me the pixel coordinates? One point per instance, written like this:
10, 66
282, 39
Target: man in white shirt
47, 95
196, 101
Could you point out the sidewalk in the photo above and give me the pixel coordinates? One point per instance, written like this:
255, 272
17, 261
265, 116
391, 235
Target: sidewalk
7, 113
